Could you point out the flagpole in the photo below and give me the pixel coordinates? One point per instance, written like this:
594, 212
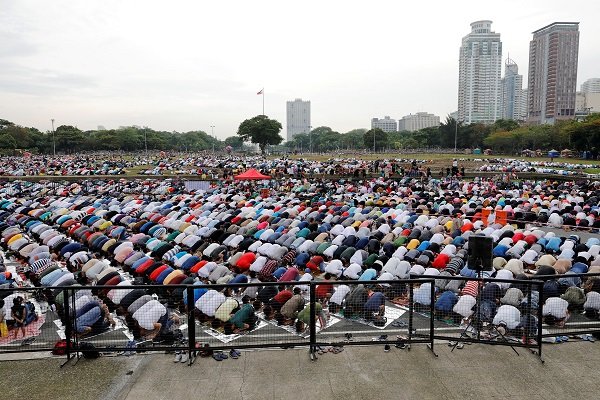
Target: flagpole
263, 93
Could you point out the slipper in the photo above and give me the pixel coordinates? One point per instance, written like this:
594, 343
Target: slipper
460, 346
337, 350
237, 352
399, 324
217, 357
233, 354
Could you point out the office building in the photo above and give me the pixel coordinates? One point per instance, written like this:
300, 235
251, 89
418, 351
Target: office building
418, 121
298, 118
553, 55
479, 75
514, 105
386, 124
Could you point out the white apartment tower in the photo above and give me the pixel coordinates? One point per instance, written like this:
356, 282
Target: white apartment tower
418, 121
479, 75
298, 118
592, 85
513, 96
386, 124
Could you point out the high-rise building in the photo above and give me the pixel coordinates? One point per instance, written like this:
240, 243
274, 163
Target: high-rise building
386, 124
513, 103
592, 85
553, 54
418, 121
298, 118
479, 73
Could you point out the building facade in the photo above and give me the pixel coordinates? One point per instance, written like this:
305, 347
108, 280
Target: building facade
553, 55
587, 102
386, 124
418, 121
479, 75
513, 102
297, 118
592, 85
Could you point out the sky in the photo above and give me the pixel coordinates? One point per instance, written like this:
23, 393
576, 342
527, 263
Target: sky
186, 65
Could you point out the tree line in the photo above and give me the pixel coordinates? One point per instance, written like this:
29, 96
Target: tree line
504, 137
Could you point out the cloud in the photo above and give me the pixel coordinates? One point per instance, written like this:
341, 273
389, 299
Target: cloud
17, 78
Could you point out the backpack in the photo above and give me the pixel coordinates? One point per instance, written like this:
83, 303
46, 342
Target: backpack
88, 350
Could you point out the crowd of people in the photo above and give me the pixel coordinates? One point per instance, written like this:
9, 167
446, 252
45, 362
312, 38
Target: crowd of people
292, 231
217, 165
538, 167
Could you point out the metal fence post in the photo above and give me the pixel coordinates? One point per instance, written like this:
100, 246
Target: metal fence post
313, 322
431, 319
69, 296
191, 321
540, 317
410, 312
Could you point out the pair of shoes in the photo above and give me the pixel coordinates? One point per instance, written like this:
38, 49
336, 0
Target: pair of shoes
380, 338
233, 353
587, 337
386, 348
220, 356
177, 357
401, 346
561, 339
399, 324
184, 357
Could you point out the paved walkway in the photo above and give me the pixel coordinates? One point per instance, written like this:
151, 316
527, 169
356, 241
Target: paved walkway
357, 373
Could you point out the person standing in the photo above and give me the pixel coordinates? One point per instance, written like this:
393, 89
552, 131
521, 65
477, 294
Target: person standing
19, 314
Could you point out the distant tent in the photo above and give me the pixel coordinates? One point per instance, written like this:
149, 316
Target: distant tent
553, 154
477, 151
251, 174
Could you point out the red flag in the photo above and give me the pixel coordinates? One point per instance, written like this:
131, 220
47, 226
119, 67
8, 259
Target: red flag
261, 91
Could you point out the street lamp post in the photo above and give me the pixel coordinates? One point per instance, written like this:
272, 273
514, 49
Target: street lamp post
146, 141
374, 141
455, 133
212, 133
310, 139
53, 139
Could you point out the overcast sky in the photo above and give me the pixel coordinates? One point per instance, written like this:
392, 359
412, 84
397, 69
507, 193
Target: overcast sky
187, 65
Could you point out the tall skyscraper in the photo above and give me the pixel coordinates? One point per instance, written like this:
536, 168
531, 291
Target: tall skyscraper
298, 118
513, 104
479, 73
386, 124
592, 85
553, 54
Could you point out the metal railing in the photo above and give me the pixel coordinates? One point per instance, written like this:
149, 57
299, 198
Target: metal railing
199, 320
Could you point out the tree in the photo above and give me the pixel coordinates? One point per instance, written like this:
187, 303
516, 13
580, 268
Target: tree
68, 138
353, 139
7, 142
235, 142
261, 130
375, 137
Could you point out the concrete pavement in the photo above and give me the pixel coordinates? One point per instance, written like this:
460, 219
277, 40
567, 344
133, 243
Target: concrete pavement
357, 373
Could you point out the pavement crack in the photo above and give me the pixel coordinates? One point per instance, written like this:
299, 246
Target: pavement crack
243, 379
